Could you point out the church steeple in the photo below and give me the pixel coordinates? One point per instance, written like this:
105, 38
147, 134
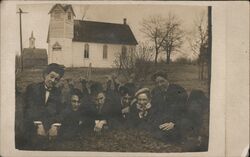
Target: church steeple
32, 41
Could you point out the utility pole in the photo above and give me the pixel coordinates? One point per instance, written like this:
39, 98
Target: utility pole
209, 45
20, 12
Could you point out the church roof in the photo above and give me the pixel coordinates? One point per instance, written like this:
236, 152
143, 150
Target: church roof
101, 32
35, 53
65, 7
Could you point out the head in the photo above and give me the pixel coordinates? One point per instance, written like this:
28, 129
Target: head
75, 99
143, 96
161, 80
97, 93
52, 75
126, 95
100, 98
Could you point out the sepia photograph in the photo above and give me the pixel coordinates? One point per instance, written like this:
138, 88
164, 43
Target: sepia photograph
113, 77
124, 78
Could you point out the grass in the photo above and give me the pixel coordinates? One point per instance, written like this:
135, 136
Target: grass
121, 141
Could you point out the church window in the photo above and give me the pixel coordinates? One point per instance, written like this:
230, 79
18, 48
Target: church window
86, 51
56, 47
105, 51
69, 15
124, 51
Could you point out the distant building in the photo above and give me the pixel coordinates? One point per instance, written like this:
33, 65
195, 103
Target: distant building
34, 57
77, 43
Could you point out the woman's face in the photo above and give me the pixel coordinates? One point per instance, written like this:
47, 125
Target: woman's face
143, 99
126, 100
75, 102
161, 82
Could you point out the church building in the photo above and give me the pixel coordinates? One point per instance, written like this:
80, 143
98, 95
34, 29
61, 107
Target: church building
78, 43
34, 57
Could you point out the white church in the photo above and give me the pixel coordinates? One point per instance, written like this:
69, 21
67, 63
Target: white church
77, 43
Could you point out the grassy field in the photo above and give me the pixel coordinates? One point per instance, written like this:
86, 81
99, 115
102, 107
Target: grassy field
125, 140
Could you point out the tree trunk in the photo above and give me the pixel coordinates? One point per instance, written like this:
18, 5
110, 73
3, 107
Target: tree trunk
156, 56
168, 57
202, 70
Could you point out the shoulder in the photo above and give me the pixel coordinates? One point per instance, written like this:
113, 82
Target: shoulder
34, 86
176, 88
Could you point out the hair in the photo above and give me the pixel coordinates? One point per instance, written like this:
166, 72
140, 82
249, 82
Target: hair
54, 67
159, 73
77, 92
127, 89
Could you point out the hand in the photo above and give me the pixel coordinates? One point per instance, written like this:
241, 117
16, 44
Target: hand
125, 110
53, 131
40, 130
99, 125
167, 126
97, 129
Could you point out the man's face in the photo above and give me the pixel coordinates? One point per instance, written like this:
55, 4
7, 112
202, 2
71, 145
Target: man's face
51, 79
143, 99
126, 100
75, 102
100, 99
161, 82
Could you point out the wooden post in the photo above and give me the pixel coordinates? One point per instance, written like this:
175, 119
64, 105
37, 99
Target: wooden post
21, 43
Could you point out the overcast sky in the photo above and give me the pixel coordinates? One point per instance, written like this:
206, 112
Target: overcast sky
37, 18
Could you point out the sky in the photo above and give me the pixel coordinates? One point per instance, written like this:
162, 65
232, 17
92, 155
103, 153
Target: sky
37, 19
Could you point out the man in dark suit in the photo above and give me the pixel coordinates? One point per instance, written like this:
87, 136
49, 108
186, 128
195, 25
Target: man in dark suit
170, 99
43, 104
100, 109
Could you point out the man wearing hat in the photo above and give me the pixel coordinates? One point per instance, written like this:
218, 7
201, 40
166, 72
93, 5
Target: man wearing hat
170, 99
43, 104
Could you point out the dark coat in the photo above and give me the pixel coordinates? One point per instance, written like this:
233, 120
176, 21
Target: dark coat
35, 108
171, 107
107, 112
146, 123
73, 122
171, 103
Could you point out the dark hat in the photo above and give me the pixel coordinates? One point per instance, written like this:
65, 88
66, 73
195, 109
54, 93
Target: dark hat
56, 68
159, 73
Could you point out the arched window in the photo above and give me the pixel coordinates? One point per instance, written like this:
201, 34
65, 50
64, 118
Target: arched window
56, 47
105, 52
124, 51
86, 51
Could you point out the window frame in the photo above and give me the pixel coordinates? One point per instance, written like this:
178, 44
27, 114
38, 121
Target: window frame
69, 16
86, 51
124, 51
56, 47
105, 52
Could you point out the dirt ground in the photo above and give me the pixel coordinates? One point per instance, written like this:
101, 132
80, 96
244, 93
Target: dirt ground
116, 140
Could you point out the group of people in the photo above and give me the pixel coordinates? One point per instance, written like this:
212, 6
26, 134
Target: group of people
167, 112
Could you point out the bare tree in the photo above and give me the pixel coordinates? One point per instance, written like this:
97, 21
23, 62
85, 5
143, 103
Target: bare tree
153, 28
136, 61
198, 41
84, 10
173, 38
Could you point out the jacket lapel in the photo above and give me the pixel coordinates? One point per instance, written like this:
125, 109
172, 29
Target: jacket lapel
42, 93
